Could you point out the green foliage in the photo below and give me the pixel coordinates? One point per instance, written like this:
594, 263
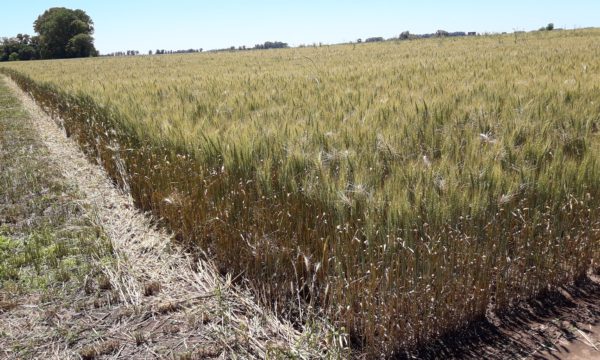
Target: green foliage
65, 33
374, 39
81, 45
7, 271
23, 46
45, 243
27, 53
43, 259
269, 45
548, 27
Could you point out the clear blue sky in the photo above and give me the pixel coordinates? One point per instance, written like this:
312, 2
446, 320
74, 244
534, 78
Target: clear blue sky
181, 24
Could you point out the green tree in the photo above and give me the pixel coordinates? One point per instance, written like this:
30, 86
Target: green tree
65, 33
24, 46
27, 52
81, 45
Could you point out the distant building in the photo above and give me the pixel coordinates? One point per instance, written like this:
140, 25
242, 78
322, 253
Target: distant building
472, 33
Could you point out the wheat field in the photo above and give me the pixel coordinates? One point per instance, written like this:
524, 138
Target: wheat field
402, 189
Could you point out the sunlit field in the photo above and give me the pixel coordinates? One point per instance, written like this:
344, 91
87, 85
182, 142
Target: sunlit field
401, 189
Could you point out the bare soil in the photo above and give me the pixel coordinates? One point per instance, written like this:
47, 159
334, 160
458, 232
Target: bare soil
563, 324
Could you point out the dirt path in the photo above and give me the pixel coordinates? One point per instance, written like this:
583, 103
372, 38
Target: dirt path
587, 346
165, 308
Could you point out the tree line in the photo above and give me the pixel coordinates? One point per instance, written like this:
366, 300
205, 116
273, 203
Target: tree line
61, 33
264, 46
150, 52
407, 35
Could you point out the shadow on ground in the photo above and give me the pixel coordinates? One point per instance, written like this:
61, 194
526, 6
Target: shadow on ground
554, 326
